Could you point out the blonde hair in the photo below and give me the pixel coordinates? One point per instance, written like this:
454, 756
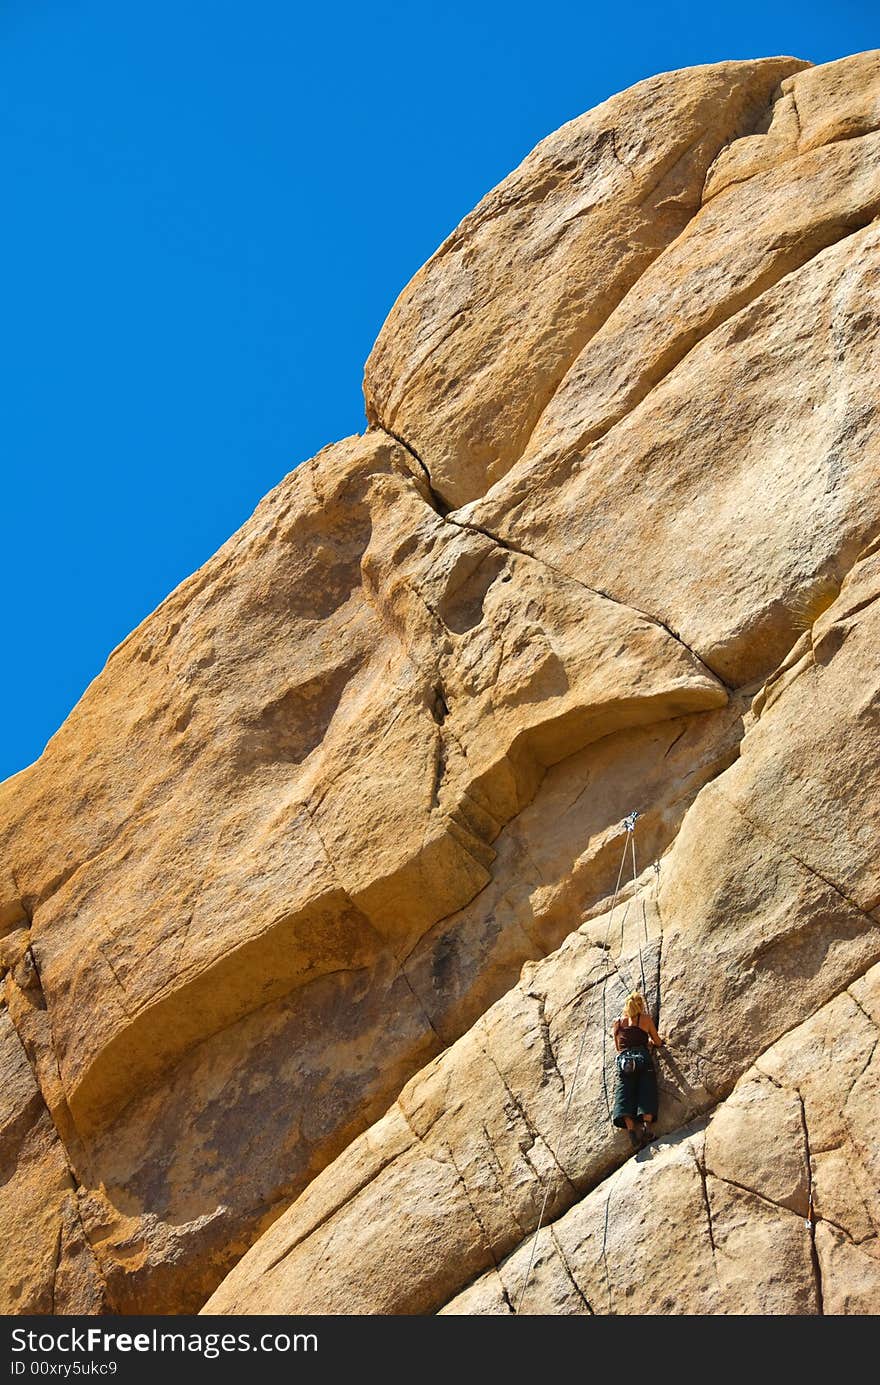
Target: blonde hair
634, 1005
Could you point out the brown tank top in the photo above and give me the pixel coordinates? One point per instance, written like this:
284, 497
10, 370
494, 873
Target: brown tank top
631, 1035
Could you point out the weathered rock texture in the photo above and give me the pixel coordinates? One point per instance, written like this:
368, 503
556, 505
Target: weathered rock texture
340, 824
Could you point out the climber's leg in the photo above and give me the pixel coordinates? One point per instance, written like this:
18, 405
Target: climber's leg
623, 1113
646, 1100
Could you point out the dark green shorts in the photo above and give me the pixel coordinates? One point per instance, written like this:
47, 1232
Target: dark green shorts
635, 1095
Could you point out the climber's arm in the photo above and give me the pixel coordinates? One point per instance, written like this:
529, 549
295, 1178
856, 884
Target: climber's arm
651, 1027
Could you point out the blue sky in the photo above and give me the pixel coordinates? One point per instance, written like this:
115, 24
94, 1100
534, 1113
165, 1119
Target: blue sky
209, 209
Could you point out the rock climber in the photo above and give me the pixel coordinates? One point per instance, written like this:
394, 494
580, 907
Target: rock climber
635, 1090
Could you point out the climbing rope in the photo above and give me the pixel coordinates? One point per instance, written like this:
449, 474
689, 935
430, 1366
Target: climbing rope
629, 826
632, 840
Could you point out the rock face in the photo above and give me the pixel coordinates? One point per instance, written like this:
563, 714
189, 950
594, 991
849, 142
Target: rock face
306, 928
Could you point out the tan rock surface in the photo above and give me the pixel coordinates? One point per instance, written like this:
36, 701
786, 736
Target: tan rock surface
333, 788
47, 1265
819, 105
470, 353
748, 936
732, 500
281, 869
714, 1218
735, 1245
705, 277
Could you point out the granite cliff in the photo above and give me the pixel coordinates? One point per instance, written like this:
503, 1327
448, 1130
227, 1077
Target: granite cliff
305, 911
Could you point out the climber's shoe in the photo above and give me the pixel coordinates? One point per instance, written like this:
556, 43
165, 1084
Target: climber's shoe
634, 1139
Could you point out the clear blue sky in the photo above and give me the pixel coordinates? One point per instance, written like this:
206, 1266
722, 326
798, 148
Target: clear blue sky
209, 208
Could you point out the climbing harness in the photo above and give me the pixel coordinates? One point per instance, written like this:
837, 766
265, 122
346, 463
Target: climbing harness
629, 1062
629, 826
